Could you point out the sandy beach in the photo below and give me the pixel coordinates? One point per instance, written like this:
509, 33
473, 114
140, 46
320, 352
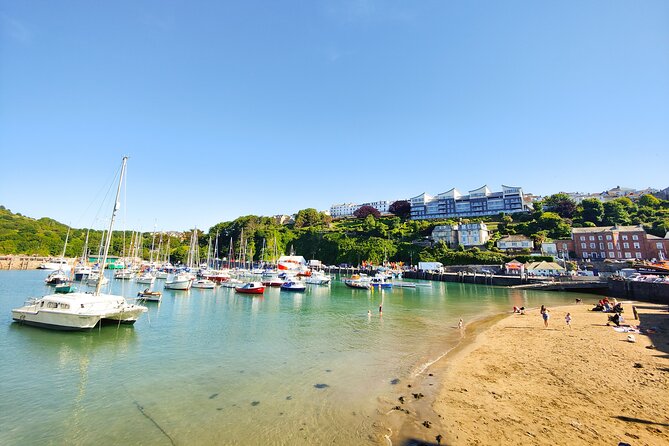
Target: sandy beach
513, 381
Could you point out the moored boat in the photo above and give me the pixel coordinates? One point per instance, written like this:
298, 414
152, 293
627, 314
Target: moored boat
80, 311
293, 286
150, 296
146, 278
56, 278
251, 288
65, 287
181, 281
55, 264
273, 282
204, 284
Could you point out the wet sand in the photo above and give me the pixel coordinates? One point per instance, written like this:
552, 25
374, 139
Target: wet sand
513, 381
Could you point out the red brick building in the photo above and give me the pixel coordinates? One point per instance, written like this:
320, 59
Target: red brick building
613, 242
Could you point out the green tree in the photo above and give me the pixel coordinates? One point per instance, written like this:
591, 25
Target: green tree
308, 217
592, 210
615, 213
561, 204
648, 200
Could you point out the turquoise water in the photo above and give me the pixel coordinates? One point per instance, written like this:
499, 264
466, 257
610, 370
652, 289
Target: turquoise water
216, 367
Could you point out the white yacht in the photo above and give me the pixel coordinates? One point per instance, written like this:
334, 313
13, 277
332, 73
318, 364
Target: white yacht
318, 278
204, 284
55, 264
181, 281
81, 272
56, 278
77, 311
146, 278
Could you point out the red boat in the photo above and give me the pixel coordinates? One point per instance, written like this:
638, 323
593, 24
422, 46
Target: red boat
251, 288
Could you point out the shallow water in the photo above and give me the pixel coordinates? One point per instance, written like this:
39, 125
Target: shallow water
216, 367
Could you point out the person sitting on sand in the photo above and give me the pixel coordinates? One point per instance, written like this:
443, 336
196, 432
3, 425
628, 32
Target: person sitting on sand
616, 319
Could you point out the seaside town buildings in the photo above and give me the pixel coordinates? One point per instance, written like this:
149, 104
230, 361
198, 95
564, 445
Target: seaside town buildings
612, 194
467, 235
610, 242
347, 209
477, 203
515, 243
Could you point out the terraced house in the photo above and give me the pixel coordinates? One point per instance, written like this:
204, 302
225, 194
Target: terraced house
613, 242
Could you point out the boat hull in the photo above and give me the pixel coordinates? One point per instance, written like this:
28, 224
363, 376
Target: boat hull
250, 290
55, 320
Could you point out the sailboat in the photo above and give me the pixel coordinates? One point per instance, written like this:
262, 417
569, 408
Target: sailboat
82, 270
59, 276
81, 311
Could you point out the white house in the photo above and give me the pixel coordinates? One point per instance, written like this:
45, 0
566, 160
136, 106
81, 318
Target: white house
515, 242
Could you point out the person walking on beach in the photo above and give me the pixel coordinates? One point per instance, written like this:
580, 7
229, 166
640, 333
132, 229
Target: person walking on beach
567, 320
461, 324
545, 315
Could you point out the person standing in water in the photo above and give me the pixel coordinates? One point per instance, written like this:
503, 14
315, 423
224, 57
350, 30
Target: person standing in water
461, 324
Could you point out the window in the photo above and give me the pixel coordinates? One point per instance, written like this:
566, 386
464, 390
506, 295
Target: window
638, 255
592, 245
601, 246
582, 245
624, 237
658, 245
635, 237
592, 237
599, 237
582, 238
602, 255
608, 237
636, 245
626, 245
620, 255
585, 255
609, 245
612, 255
564, 246
628, 255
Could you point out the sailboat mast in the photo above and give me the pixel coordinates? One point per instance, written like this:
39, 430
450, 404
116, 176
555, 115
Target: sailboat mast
117, 206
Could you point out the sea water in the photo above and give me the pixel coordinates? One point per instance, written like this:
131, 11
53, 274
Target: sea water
217, 367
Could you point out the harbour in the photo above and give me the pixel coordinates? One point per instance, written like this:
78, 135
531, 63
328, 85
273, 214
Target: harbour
216, 367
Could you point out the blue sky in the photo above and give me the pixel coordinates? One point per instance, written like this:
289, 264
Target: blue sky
235, 108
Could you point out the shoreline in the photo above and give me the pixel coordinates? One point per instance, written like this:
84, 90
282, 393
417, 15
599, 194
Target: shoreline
514, 381
406, 428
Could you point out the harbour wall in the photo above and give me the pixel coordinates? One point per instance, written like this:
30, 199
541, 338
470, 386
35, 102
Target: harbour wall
24, 262
645, 291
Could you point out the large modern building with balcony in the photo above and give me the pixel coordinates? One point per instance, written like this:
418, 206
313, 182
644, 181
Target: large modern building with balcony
479, 202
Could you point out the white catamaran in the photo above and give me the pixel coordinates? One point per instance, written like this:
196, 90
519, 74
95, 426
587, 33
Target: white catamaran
80, 311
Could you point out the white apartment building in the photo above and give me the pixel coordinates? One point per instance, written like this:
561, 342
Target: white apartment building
347, 209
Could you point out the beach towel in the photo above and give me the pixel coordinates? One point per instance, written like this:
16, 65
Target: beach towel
626, 330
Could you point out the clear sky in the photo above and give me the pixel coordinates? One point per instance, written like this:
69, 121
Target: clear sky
269, 107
